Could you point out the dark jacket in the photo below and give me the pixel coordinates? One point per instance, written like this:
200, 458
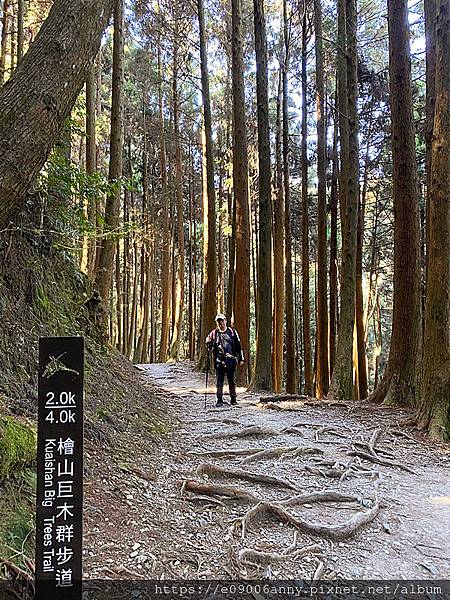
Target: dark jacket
229, 344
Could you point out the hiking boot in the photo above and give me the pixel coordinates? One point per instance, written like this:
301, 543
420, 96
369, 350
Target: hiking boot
219, 403
233, 402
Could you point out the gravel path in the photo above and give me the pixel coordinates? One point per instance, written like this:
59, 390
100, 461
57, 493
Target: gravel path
140, 524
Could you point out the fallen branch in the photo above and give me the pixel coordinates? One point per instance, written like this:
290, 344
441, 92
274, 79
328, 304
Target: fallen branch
333, 532
215, 471
208, 489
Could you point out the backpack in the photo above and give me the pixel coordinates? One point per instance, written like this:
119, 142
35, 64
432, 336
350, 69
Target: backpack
226, 360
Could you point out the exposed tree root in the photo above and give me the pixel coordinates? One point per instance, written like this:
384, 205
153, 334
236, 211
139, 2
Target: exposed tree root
293, 430
328, 429
292, 451
16, 570
318, 572
208, 489
331, 472
257, 558
273, 405
282, 398
213, 420
311, 497
251, 431
303, 450
380, 461
333, 532
226, 453
215, 471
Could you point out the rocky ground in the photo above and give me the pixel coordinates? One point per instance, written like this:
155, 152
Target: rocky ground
152, 512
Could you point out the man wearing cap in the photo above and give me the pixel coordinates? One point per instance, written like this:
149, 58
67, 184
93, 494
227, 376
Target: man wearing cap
225, 344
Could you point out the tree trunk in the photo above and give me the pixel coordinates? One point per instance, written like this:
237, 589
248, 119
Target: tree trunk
13, 41
40, 95
4, 39
112, 210
20, 29
241, 258
179, 293
134, 305
359, 314
306, 324
99, 209
118, 305
342, 382
430, 49
401, 382
262, 376
435, 407
278, 253
322, 372
91, 163
210, 270
333, 246
291, 328
127, 268
231, 256
165, 245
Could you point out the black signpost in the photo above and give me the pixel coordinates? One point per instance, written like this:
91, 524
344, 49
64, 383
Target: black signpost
59, 502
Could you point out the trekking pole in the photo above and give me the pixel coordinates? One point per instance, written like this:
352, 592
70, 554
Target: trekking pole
207, 375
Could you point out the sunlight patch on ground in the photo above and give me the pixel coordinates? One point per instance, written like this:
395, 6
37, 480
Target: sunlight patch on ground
443, 500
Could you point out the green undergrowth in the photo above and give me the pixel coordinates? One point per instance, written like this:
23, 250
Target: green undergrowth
17, 446
17, 500
43, 293
17, 490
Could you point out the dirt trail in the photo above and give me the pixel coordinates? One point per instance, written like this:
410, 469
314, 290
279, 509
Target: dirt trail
140, 524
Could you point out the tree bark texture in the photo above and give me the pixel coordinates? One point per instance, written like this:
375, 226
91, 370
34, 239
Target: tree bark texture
322, 369
262, 377
306, 321
112, 209
240, 187
278, 254
401, 382
435, 406
35, 102
291, 329
210, 257
342, 381
179, 293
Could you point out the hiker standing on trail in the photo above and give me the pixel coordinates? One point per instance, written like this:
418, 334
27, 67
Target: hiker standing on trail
225, 344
